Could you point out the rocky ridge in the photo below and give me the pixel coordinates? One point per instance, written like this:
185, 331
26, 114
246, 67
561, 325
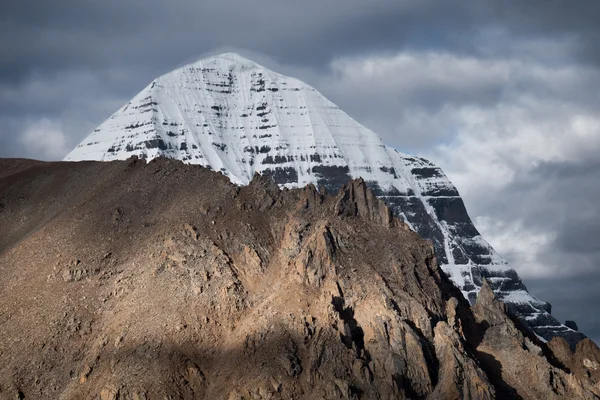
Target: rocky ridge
127, 280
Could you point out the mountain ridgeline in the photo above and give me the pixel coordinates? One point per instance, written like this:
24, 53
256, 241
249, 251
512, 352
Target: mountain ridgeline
232, 115
163, 280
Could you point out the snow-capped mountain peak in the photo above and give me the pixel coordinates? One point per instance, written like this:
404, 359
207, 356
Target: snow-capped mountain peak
233, 115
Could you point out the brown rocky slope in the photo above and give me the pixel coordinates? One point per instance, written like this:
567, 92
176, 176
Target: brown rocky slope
127, 280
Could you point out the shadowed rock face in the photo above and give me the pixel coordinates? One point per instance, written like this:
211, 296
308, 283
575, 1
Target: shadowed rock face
232, 115
583, 362
163, 280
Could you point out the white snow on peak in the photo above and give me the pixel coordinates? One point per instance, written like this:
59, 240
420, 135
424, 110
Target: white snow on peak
238, 117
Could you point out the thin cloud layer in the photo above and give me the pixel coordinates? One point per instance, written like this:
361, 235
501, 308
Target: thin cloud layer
502, 94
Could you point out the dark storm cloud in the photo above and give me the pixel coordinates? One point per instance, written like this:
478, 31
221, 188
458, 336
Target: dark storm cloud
66, 65
573, 298
565, 197
60, 34
40, 35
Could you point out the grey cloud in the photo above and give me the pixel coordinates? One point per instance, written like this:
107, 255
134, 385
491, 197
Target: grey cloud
42, 35
415, 98
558, 195
573, 198
141, 39
573, 298
74, 101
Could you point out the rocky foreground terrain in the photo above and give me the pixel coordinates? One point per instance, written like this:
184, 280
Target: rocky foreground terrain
127, 280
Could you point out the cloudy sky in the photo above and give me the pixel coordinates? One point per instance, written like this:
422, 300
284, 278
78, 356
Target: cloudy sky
504, 95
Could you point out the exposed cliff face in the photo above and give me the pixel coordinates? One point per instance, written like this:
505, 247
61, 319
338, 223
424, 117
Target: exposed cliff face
519, 364
584, 361
134, 280
235, 116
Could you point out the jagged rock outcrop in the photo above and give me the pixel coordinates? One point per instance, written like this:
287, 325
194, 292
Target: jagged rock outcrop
519, 364
357, 199
460, 376
183, 285
583, 362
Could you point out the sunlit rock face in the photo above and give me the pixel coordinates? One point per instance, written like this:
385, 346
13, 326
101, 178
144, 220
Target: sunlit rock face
235, 116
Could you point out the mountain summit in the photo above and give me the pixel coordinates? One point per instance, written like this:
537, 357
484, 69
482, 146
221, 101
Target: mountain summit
232, 115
